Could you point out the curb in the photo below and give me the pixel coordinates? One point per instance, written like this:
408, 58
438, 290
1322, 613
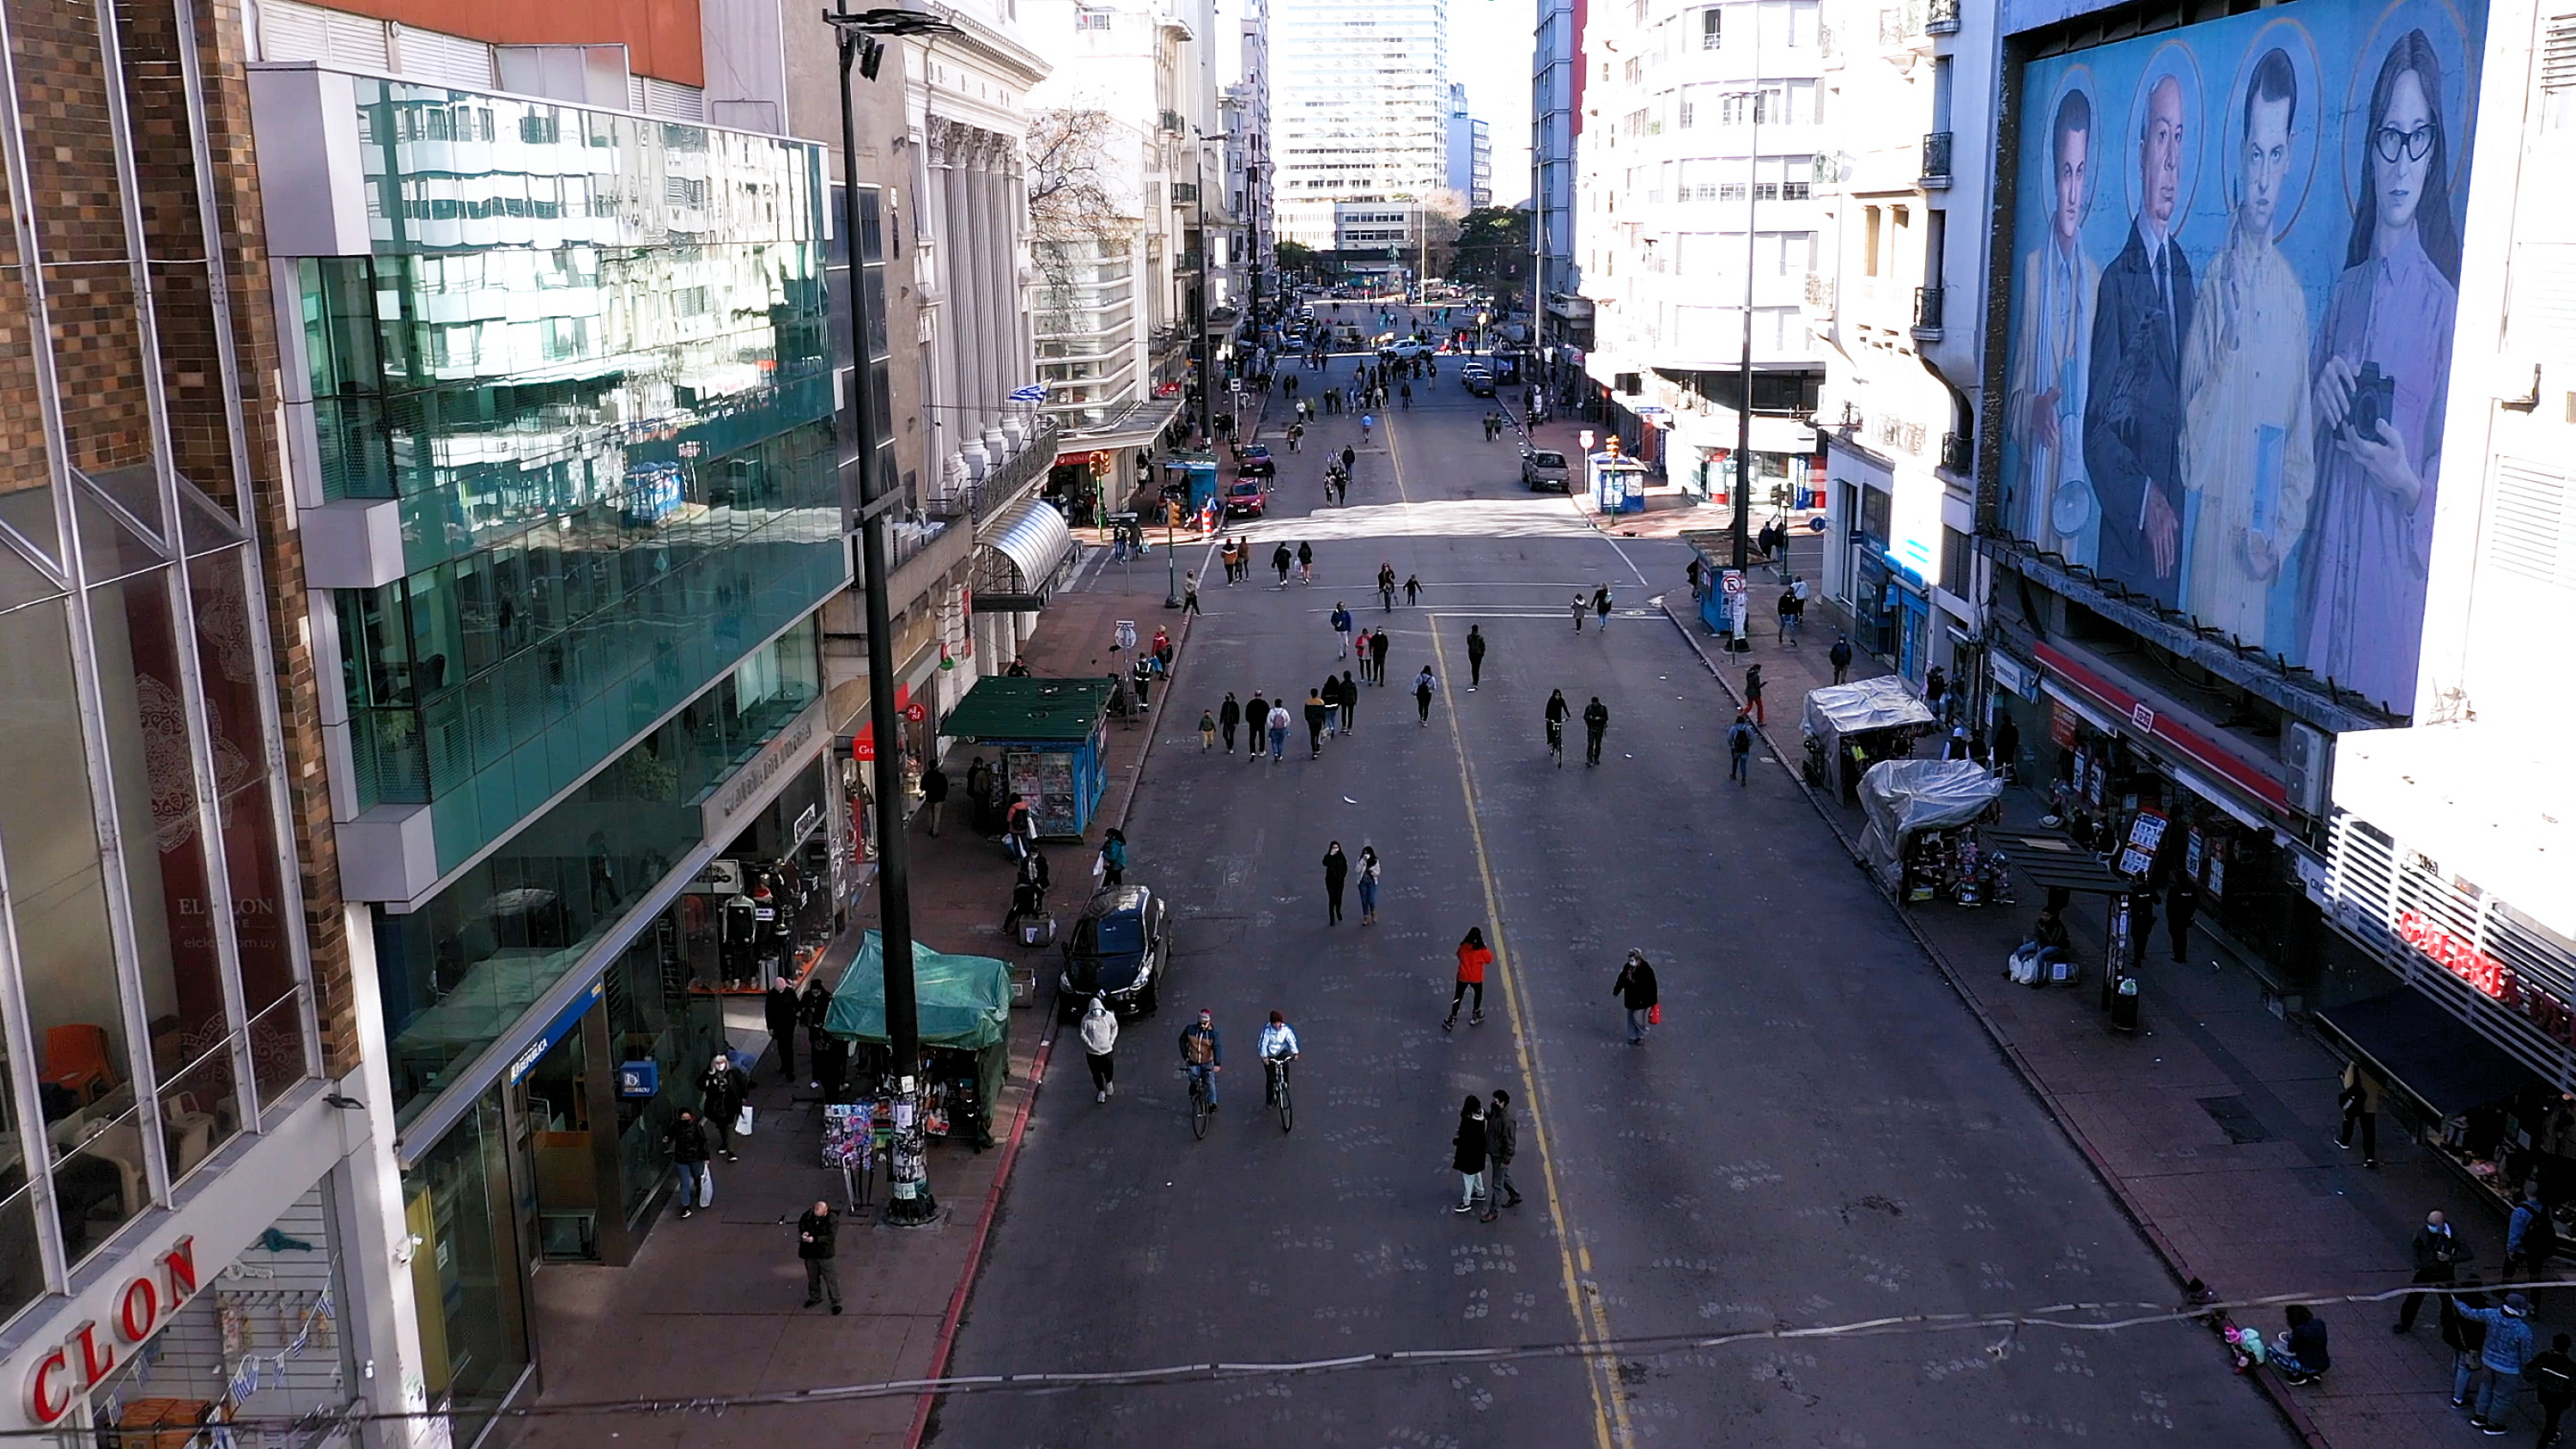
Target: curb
974, 1268
2175, 1265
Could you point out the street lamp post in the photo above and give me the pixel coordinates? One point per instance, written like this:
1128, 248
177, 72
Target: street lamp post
910, 1201
1743, 549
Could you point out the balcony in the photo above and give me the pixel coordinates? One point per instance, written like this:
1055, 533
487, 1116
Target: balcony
1958, 453
1173, 123
1002, 483
1185, 193
1164, 339
1942, 18
1927, 314
1936, 161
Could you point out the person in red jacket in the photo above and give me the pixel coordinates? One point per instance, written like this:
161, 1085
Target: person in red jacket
1473, 958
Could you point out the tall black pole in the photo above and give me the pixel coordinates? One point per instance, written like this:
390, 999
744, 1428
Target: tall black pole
1744, 369
910, 1201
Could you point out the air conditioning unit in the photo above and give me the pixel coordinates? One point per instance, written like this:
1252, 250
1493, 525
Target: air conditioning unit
2308, 752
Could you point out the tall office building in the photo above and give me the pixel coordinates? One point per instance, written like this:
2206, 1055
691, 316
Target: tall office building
1360, 106
1564, 317
1471, 152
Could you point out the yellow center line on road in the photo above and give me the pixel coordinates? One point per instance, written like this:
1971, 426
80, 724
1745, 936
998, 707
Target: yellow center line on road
1591, 1319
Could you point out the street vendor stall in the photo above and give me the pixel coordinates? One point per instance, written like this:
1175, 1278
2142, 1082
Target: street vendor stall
964, 1007
1052, 735
1921, 816
1850, 727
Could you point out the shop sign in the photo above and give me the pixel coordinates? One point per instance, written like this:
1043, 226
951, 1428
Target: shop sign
2490, 977
2146, 833
809, 818
2012, 674
748, 782
561, 1027
89, 1355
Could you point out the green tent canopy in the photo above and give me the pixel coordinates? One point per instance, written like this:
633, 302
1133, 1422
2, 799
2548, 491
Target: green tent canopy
964, 1002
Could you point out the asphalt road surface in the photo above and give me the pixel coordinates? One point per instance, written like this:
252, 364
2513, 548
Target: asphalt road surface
1818, 1134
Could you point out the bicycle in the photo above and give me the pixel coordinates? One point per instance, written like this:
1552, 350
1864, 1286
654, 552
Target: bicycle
1278, 1097
1556, 741
1201, 1108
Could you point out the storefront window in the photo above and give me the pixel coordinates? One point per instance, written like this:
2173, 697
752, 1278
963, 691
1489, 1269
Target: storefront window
652, 1016
459, 971
465, 1269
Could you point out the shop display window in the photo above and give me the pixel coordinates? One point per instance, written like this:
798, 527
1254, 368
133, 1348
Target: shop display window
466, 1270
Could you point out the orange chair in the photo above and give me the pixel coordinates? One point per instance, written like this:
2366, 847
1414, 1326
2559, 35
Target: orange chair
76, 1059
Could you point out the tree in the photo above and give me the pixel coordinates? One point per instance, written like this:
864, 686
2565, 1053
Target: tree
1494, 250
1442, 213
1076, 208
1297, 257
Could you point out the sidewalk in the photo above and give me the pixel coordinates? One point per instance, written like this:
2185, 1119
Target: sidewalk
711, 1306
2214, 1125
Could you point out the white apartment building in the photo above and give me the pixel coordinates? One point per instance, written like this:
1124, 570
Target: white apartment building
1360, 107
1249, 168
1898, 434
1701, 126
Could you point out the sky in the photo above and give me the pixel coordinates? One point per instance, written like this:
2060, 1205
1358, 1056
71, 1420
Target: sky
1489, 50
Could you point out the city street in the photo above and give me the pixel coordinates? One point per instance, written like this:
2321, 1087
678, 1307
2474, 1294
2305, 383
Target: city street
1819, 1133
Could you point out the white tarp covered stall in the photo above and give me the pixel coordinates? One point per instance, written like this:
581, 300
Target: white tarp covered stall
1902, 798
1869, 704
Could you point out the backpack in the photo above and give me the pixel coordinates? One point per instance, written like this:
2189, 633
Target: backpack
2554, 1381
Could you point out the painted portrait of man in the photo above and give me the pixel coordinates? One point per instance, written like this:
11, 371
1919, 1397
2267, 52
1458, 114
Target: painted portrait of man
2248, 457
2054, 509
2133, 385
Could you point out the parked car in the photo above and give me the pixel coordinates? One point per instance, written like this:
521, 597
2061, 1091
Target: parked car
1256, 462
1119, 949
1405, 349
1244, 498
1543, 468
1479, 381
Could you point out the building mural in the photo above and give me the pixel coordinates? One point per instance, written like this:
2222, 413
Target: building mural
2237, 259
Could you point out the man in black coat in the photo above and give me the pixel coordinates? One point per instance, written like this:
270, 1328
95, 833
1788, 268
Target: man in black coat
1596, 722
1635, 989
2133, 386
934, 793
721, 1092
778, 1010
1228, 716
688, 1140
811, 1010
817, 1240
2438, 1254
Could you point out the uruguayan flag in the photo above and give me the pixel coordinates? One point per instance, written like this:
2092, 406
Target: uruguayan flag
1034, 393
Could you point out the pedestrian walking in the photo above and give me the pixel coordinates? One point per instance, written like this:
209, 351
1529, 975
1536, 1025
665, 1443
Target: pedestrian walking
2007, 745
1424, 686
1377, 654
1753, 693
979, 798
2508, 1348
1788, 611
1935, 684
1256, 718
1596, 723
2438, 1254
1348, 457
688, 1141
1467, 1154
723, 1088
1100, 1047
1305, 563
1111, 869
2466, 1338
1207, 730
1341, 630
1475, 657
2530, 1238
1697, 573
778, 1011
1279, 723
1332, 693
2553, 1377
1840, 655
1601, 606
1412, 589
813, 1007
1189, 593
1317, 713
2182, 902
1350, 700
1473, 957
1386, 586
1337, 873
1368, 885
1502, 1141
1582, 609
1281, 559
1635, 989
1228, 716
1739, 750
2301, 1355
2360, 1103
817, 1241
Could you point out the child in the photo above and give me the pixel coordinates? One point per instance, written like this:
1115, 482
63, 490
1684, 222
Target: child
1207, 729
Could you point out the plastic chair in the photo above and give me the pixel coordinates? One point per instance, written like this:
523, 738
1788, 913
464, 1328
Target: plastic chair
76, 1060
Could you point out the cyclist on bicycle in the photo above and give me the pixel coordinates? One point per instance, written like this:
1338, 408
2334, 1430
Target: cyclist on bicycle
1203, 1053
1556, 713
1278, 1048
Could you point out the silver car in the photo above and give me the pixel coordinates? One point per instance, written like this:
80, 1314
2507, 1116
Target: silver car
1545, 470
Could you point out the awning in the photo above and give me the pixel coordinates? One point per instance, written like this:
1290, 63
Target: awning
2055, 862
1137, 427
1033, 537
1026, 708
2413, 1042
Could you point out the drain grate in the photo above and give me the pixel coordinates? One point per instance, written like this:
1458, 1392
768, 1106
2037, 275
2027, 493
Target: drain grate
2235, 1119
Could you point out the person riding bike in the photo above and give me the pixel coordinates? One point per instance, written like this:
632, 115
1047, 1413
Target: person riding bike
1203, 1053
1278, 1047
1557, 710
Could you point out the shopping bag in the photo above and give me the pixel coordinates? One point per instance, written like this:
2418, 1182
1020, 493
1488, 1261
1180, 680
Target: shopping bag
1655, 1014
1099, 866
742, 1121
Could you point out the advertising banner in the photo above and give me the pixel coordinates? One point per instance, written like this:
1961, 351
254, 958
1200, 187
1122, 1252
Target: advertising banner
2236, 268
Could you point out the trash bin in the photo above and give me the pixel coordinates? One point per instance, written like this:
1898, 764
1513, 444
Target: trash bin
2124, 1004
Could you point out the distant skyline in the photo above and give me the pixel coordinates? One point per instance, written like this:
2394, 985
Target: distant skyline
1490, 45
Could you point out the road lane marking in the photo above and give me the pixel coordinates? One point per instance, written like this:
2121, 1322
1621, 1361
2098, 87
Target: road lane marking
1591, 1321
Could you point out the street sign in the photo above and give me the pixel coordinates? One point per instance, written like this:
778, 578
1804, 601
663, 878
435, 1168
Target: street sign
1735, 582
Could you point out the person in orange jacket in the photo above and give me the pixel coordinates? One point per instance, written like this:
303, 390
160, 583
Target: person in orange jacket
1473, 957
